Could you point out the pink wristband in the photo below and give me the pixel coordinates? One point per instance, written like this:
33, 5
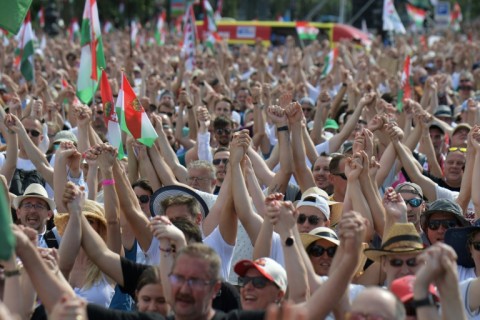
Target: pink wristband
108, 182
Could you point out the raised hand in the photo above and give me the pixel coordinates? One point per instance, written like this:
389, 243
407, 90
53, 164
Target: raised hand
475, 138
84, 115
163, 229
282, 215
294, 113
368, 99
394, 132
73, 198
285, 99
395, 205
239, 146
354, 166
351, 231
69, 308
107, 156
277, 115
184, 99
204, 118
377, 123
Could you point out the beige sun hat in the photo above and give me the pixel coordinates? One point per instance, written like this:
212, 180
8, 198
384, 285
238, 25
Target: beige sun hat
34, 190
91, 209
402, 238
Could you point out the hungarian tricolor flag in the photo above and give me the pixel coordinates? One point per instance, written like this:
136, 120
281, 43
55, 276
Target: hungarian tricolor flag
25, 50
133, 118
330, 61
416, 15
405, 91
7, 239
114, 135
92, 58
160, 29
456, 17
306, 31
41, 17
189, 37
134, 29
73, 30
13, 13
210, 35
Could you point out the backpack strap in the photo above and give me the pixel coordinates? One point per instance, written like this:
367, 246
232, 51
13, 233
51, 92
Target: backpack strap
50, 239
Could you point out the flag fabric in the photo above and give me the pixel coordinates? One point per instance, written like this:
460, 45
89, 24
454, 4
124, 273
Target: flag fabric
107, 27
406, 85
391, 20
65, 86
74, 30
13, 14
416, 15
210, 35
189, 38
114, 134
456, 16
92, 57
7, 239
25, 50
134, 29
306, 31
218, 11
330, 61
160, 32
41, 17
133, 118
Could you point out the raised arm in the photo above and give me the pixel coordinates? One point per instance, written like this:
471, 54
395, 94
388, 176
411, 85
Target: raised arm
65, 156
475, 141
10, 164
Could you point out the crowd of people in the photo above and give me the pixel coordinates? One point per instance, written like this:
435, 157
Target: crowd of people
274, 190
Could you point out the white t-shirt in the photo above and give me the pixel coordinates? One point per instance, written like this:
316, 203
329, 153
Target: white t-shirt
223, 249
464, 290
465, 273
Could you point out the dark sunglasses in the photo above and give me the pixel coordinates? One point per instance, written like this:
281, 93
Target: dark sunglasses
169, 114
453, 149
318, 251
340, 174
312, 220
446, 224
465, 88
34, 133
476, 245
100, 112
143, 198
397, 263
223, 131
257, 282
414, 203
217, 161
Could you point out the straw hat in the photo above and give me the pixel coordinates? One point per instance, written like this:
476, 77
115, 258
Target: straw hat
91, 209
34, 190
336, 207
317, 234
402, 238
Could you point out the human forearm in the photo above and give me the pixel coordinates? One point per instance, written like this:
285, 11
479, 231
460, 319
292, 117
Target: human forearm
160, 169
112, 206
70, 245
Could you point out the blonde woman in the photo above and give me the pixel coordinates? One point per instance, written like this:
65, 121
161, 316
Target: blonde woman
83, 275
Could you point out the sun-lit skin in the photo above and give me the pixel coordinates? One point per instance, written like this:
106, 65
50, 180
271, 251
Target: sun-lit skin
392, 272
32, 217
438, 140
306, 227
459, 139
150, 298
439, 234
375, 301
413, 214
322, 264
321, 172
221, 168
144, 206
222, 108
204, 181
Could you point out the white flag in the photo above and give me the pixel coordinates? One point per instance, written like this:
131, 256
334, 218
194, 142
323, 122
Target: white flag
391, 20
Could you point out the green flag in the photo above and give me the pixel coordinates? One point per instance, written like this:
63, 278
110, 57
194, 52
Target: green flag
13, 13
7, 239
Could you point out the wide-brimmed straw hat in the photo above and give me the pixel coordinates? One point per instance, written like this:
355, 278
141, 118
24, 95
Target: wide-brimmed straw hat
317, 234
34, 190
402, 238
91, 209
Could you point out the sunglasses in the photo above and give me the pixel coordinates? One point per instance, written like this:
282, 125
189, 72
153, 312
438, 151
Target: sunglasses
465, 88
452, 149
318, 251
476, 245
100, 112
169, 114
143, 198
414, 203
223, 131
34, 133
446, 224
312, 220
216, 162
340, 174
257, 282
397, 263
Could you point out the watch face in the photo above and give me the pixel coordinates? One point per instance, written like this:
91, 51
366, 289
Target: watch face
289, 241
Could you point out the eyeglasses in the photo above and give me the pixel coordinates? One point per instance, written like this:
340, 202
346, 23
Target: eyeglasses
223, 131
453, 149
143, 198
363, 316
100, 112
476, 245
464, 80
318, 251
446, 224
197, 179
29, 205
34, 133
465, 88
339, 174
169, 114
193, 283
397, 263
312, 220
216, 162
414, 203
257, 282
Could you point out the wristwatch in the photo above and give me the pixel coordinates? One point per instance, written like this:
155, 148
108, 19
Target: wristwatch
289, 242
425, 302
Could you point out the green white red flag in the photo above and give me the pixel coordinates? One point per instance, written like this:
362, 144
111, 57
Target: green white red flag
7, 239
405, 91
114, 134
306, 31
134, 29
41, 17
416, 15
92, 58
74, 30
160, 31
25, 50
210, 35
133, 118
456, 17
391, 20
330, 61
189, 39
